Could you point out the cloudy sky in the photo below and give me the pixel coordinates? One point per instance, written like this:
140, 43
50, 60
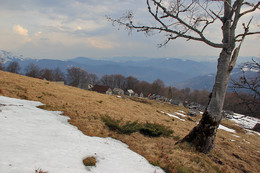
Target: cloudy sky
62, 29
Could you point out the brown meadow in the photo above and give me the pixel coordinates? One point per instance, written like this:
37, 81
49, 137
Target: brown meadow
85, 109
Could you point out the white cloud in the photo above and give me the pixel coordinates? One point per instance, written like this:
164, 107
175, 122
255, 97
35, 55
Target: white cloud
100, 43
18, 29
79, 28
38, 33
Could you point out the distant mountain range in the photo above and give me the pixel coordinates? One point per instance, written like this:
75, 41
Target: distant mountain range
207, 81
173, 71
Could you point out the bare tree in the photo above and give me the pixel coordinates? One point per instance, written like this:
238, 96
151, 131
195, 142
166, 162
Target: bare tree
119, 81
93, 78
2, 64
157, 87
76, 76
144, 87
169, 93
190, 19
47, 74
131, 83
13, 67
32, 70
58, 75
107, 80
250, 85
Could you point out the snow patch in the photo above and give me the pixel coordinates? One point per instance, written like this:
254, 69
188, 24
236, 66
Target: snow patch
251, 132
245, 121
171, 115
245, 69
236, 136
32, 138
226, 129
246, 141
181, 114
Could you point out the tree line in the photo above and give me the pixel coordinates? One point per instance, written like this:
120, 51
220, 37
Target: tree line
240, 102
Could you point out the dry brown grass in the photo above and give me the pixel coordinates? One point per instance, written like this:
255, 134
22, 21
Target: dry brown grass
40, 171
90, 161
85, 109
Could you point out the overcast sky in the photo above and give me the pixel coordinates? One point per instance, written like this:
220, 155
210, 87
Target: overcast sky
62, 29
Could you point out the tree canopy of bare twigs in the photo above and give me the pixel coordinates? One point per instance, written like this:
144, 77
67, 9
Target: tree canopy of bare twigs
189, 19
250, 85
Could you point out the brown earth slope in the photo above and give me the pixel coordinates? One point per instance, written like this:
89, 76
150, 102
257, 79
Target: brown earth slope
85, 108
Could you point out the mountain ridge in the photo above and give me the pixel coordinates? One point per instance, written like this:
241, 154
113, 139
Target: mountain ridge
173, 71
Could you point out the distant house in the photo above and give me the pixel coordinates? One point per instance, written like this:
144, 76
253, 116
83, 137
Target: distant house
90, 86
139, 94
130, 92
118, 91
102, 89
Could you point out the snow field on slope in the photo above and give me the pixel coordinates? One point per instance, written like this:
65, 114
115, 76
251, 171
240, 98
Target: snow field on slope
32, 138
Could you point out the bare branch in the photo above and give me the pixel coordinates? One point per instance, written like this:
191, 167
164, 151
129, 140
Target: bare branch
215, 14
256, 6
172, 22
236, 10
155, 15
249, 33
246, 32
190, 27
236, 51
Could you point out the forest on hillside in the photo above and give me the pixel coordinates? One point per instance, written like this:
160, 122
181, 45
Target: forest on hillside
243, 99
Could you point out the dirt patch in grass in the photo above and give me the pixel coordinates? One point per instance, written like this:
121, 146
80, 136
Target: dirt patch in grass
85, 109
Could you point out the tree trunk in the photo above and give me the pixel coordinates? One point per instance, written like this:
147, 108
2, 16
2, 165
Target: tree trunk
203, 135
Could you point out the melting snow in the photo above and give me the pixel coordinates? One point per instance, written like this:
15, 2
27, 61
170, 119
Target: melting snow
246, 121
236, 136
249, 69
246, 141
32, 138
173, 116
226, 129
181, 114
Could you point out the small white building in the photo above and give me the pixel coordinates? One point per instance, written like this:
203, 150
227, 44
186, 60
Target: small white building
130, 92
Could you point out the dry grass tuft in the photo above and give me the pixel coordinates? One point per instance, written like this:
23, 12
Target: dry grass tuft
90, 161
39, 170
85, 108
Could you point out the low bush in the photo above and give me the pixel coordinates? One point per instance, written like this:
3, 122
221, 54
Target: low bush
111, 123
155, 130
147, 129
129, 127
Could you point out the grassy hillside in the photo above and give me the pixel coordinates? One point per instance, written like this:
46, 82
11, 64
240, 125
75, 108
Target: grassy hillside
86, 109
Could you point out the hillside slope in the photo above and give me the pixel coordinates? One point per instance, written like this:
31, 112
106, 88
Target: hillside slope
234, 152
